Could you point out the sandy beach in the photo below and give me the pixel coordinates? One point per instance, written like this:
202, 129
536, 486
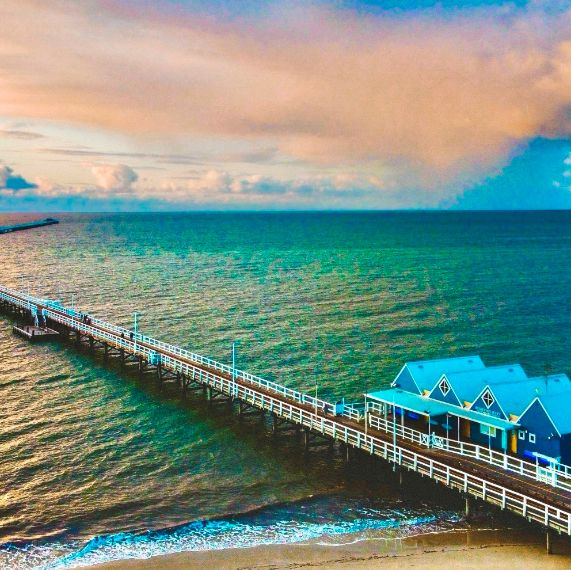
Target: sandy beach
470, 549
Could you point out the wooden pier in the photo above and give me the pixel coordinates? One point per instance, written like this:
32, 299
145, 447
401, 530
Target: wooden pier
34, 333
477, 473
28, 225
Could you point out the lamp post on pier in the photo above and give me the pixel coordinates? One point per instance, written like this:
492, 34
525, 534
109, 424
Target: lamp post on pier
394, 434
366, 418
135, 315
234, 361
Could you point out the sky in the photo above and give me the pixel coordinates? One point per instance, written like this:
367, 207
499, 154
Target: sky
133, 105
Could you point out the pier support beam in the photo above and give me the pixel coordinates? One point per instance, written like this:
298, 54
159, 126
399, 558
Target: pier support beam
468, 507
549, 541
347, 453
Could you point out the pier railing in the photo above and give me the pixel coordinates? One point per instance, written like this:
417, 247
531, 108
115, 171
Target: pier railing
519, 503
559, 478
161, 346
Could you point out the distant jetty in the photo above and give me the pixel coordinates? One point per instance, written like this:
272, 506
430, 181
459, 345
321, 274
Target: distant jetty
28, 225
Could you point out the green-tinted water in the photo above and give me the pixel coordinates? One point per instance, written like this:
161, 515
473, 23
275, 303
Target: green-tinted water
340, 300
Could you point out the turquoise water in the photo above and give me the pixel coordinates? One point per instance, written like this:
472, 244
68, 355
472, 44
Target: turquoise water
340, 300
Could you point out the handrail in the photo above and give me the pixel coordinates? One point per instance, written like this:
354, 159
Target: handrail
494, 493
485, 454
199, 359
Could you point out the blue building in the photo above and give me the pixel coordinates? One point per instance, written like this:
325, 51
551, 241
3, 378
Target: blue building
420, 376
498, 406
545, 425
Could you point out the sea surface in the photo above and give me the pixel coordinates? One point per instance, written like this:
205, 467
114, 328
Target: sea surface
96, 464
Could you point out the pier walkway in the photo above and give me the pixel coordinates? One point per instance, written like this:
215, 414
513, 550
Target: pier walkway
476, 472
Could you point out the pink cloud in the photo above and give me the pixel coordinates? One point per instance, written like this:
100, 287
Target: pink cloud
114, 177
430, 95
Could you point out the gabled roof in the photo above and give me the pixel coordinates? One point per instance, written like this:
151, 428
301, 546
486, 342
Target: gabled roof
469, 385
426, 372
558, 410
514, 399
451, 390
552, 383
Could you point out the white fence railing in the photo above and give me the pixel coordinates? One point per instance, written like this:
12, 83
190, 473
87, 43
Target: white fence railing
557, 478
493, 493
163, 347
354, 411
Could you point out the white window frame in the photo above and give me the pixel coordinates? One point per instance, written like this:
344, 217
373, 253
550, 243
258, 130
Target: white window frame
521, 434
491, 399
446, 390
488, 430
532, 438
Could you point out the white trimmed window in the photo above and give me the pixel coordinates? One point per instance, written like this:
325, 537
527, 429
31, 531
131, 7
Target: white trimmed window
444, 386
487, 430
488, 399
521, 434
531, 438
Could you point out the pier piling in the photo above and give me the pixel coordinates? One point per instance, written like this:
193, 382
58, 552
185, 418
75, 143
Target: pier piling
545, 503
468, 507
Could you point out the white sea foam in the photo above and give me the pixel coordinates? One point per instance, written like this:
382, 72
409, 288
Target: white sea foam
211, 535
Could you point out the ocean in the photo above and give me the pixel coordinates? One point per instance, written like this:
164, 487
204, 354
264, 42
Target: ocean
96, 464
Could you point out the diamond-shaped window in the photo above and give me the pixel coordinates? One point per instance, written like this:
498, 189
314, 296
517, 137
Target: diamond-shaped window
444, 387
488, 399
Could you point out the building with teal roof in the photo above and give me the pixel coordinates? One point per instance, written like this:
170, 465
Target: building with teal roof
545, 424
420, 375
497, 406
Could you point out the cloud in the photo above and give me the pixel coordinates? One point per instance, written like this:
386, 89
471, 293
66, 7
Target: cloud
114, 177
21, 135
565, 181
13, 182
163, 158
436, 95
218, 187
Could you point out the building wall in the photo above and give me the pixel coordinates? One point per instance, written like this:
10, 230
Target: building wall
566, 449
405, 382
536, 422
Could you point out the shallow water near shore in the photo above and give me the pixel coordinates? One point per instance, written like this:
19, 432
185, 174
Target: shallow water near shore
333, 300
333, 520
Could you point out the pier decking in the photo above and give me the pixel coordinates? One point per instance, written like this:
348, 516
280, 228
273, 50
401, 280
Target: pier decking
34, 333
28, 225
542, 496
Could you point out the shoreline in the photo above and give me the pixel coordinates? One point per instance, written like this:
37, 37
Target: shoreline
458, 548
